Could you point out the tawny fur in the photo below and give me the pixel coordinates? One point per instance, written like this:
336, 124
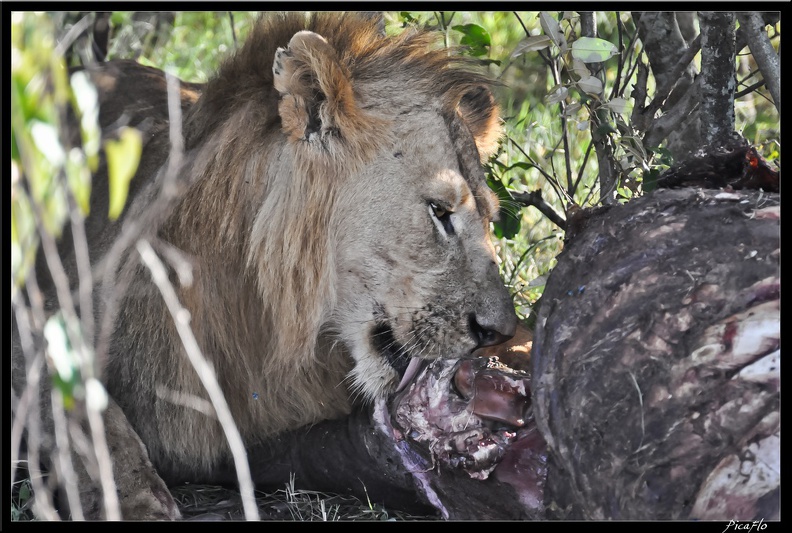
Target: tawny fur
313, 160
266, 199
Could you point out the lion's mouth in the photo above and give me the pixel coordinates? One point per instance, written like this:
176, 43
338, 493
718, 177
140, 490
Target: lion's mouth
396, 354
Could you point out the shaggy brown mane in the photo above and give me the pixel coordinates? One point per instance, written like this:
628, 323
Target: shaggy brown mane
413, 57
263, 206
241, 208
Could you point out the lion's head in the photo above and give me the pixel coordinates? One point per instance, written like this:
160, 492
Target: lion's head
352, 162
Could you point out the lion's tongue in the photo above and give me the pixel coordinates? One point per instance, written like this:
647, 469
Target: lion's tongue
409, 374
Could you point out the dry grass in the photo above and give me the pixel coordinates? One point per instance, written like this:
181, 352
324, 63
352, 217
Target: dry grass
207, 502
213, 503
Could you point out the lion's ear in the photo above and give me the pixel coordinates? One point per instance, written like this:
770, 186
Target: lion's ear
478, 109
317, 100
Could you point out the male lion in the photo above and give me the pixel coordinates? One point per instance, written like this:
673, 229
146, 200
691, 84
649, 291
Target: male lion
335, 215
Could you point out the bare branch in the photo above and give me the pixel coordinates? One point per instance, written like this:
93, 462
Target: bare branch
181, 319
663, 43
582, 167
72, 35
608, 175
717, 80
233, 30
620, 65
640, 118
65, 469
665, 48
535, 199
677, 72
763, 52
672, 120
749, 89
147, 218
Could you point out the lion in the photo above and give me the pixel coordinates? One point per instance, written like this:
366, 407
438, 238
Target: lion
334, 211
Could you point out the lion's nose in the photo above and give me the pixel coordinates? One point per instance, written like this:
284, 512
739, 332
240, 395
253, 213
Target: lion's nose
491, 334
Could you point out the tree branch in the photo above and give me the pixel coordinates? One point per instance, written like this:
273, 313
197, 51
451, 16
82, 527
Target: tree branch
763, 52
608, 175
718, 80
205, 373
535, 199
665, 124
665, 47
749, 89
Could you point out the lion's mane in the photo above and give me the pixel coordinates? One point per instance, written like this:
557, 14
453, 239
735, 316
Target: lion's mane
256, 222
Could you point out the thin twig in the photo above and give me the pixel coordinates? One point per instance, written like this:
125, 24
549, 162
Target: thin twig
233, 30
620, 64
66, 473
560, 192
535, 199
205, 373
109, 492
763, 52
582, 168
663, 92
33, 371
72, 35
749, 89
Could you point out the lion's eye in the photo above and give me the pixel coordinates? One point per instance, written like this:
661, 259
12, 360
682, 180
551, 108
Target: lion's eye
442, 216
439, 211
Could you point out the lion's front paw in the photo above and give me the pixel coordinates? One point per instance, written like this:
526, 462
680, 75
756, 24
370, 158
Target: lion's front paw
141, 496
150, 503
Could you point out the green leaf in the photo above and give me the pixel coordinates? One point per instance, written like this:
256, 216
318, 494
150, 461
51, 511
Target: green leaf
59, 348
572, 108
590, 85
24, 492
407, 18
553, 30
531, 44
606, 128
14, 147
521, 165
509, 224
117, 18
79, 179
557, 94
620, 105
64, 358
593, 50
87, 100
46, 138
474, 35
475, 38
665, 157
123, 157
650, 180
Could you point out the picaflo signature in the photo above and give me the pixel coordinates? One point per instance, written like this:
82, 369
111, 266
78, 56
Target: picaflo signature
735, 525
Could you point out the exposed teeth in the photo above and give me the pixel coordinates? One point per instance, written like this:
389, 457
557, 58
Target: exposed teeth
412, 369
